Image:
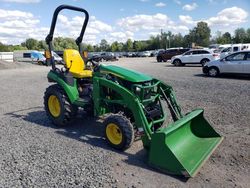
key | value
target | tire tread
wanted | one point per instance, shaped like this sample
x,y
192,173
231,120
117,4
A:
x,y
126,128
69,111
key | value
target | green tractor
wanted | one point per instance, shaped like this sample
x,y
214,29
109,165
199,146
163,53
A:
x,y
134,104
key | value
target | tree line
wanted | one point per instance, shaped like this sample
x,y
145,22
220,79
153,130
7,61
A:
x,y
200,35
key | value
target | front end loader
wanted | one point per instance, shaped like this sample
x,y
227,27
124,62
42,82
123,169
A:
x,y
134,105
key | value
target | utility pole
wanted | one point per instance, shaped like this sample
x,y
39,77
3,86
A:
x,y
169,41
166,41
166,38
161,37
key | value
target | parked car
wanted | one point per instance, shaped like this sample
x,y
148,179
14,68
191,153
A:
x,y
234,48
154,53
144,54
57,58
29,56
238,63
119,54
105,56
59,53
199,56
130,54
166,55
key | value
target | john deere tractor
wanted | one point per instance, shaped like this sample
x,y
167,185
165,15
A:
x,y
134,104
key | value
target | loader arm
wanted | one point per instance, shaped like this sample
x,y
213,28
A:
x,y
127,100
136,105
181,147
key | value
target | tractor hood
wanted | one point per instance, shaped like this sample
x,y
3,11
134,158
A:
x,y
126,74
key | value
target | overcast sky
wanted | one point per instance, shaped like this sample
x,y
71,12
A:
x,y
119,20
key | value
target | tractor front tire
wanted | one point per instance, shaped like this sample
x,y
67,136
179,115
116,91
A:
x,y
119,131
57,106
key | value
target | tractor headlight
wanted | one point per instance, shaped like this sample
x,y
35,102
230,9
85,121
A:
x,y
137,89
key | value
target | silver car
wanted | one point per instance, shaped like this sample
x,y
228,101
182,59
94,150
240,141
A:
x,y
236,63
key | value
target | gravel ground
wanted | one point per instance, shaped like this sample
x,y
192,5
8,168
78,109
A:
x,y
12,65
34,153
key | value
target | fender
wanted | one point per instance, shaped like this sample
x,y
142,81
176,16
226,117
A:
x,y
69,88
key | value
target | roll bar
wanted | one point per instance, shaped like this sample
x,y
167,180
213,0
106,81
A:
x,y
78,41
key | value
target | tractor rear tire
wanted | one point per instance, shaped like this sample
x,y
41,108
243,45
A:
x,y
57,106
119,131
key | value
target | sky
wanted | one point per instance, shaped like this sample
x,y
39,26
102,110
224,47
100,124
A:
x,y
116,20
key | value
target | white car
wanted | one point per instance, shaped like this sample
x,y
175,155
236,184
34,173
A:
x,y
57,58
199,56
146,54
238,63
234,48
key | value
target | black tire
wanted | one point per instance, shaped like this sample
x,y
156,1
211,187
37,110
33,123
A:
x,y
204,61
159,59
67,110
45,63
177,62
213,71
125,129
40,63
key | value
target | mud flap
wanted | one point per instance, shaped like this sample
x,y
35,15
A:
x,y
184,146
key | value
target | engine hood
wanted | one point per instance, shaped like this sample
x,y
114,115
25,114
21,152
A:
x,y
123,73
177,56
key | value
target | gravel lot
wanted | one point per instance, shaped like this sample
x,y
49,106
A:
x,y
34,153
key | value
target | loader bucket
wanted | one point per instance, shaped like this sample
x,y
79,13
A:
x,y
184,146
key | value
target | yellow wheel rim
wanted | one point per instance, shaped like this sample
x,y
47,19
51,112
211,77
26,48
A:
x,y
114,134
54,106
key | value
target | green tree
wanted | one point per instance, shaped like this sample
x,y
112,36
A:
x,y
69,43
177,40
114,46
31,44
227,38
96,48
154,42
104,45
3,48
64,43
42,45
223,38
240,35
90,48
120,46
169,40
129,46
200,34
16,47
218,37
187,41
248,36
138,46
164,40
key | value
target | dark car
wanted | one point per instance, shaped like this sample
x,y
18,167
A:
x,y
60,53
168,54
105,56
